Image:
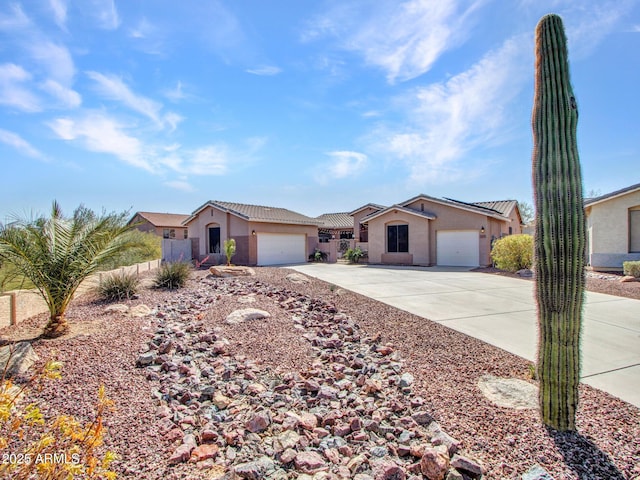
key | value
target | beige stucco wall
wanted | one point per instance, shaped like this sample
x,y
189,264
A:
x,y
357,218
418,238
232,226
451,218
611,219
608,232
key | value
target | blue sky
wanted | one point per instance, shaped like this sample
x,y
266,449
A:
x,y
317,106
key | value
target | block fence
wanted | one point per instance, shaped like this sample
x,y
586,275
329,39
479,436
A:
x,y
18,305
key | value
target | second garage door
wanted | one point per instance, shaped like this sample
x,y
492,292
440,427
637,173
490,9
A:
x,y
279,249
458,248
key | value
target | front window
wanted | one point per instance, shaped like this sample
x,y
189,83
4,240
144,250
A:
x,y
169,233
186,233
397,238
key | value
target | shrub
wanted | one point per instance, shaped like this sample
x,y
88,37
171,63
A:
x,y
229,249
513,253
318,256
118,286
632,268
354,255
148,246
172,275
57,448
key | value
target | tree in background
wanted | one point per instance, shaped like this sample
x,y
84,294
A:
x,y
58,253
560,232
526,212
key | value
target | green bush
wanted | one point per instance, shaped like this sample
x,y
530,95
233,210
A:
x,y
118,286
513,253
172,275
632,268
354,255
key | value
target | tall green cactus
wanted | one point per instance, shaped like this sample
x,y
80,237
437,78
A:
x,y
560,234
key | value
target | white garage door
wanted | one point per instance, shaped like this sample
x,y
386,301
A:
x,y
278,249
458,248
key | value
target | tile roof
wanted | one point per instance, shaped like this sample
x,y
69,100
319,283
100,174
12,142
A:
x,y
402,208
259,213
459,204
336,220
163,219
606,196
368,205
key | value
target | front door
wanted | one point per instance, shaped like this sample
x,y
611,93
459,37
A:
x,y
214,240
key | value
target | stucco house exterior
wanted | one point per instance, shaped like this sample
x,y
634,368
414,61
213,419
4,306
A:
x,y
334,226
613,228
165,225
425,230
263,235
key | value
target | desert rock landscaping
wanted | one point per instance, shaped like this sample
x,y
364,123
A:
x,y
309,381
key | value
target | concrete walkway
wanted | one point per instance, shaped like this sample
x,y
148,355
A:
x,y
502,311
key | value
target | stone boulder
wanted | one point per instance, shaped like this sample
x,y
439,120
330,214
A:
x,y
509,392
297,278
17,358
246,314
231,271
629,278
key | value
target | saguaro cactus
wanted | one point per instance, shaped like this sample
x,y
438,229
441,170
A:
x,y
560,235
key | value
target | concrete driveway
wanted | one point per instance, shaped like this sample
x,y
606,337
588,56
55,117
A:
x,y
502,311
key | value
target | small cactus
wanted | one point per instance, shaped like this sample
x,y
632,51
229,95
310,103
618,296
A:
x,y
560,233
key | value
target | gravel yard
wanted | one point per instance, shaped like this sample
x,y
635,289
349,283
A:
x,y
103,348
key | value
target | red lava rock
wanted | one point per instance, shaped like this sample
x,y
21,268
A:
x,y
468,465
203,452
434,463
259,422
309,462
388,470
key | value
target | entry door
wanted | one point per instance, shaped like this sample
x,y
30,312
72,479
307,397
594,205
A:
x,y
214,240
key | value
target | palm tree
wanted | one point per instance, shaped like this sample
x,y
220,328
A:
x,y
58,253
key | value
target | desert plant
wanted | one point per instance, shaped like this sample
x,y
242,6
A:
x,y
560,232
513,252
318,256
631,268
172,275
57,448
118,286
58,253
229,249
354,254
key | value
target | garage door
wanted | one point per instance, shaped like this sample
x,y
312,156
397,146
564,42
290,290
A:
x,y
458,248
278,249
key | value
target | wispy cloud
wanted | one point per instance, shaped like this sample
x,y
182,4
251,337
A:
x,y
448,119
114,88
177,93
341,164
404,40
106,13
265,70
67,97
21,145
13,89
59,9
55,58
100,133
588,24
182,185
15,19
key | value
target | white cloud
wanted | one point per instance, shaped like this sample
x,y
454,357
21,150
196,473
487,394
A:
x,y
99,133
172,120
16,141
448,119
16,20
67,97
106,13
182,185
342,164
114,88
59,9
402,39
177,93
210,160
265,70
56,59
14,92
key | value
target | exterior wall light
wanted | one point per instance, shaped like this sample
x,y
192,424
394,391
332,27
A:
x,y
482,229
253,232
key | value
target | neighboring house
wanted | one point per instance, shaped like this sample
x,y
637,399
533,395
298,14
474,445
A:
x,y
426,230
166,225
613,228
334,226
263,235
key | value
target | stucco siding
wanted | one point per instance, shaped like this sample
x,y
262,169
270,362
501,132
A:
x,y
418,238
608,232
